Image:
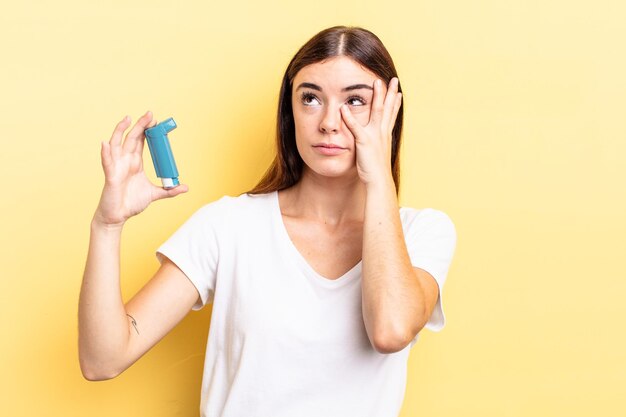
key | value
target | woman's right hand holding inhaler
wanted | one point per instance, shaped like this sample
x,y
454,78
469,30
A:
x,y
127,191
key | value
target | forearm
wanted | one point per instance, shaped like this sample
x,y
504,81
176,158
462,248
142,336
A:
x,y
392,297
103,324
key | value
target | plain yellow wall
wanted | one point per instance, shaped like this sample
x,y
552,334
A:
x,y
515,126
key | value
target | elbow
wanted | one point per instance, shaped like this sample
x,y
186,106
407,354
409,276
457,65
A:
x,y
97,373
392,342
95,377
388,345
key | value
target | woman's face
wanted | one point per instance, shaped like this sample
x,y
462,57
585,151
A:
x,y
324,142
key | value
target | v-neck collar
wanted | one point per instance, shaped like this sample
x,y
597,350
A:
x,y
301,261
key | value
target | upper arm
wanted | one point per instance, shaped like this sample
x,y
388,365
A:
x,y
157,308
431,241
430,289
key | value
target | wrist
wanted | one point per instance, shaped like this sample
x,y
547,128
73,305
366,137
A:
x,y
381,184
98,223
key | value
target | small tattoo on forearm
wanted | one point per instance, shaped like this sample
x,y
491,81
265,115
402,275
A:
x,y
134,322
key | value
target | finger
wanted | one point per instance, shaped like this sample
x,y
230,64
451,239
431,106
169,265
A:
x,y
105,154
376,112
116,137
396,109
160,193
390,101
353,124
136,133
141,142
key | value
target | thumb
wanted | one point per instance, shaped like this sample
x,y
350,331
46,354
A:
x,y
159,193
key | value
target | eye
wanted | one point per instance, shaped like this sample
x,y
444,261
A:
x,y
309,99
356,101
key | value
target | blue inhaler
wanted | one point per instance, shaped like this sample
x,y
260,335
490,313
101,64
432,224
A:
x,y
161,152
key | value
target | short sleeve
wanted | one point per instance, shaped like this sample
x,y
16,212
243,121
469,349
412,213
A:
x,y
430,237
194,249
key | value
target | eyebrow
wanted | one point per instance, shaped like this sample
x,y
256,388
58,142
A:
x,y
348,88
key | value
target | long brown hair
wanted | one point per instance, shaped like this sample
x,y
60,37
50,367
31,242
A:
x,y
357,43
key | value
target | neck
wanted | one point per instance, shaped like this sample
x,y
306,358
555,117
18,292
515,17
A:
x,y
333,201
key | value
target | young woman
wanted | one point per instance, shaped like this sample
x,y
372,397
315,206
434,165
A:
x,y
320,282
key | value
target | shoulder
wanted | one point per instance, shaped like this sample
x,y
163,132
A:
x,y
233,208
426,219
423,215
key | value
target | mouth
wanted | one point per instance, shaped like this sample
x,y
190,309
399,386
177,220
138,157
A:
x,y
329,149
327,145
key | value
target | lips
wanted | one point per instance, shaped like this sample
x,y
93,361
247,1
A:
x,y
329,149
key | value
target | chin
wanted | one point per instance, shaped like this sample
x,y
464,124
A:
x,y
333,170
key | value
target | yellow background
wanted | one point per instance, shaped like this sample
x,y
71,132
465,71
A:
x,y
515,126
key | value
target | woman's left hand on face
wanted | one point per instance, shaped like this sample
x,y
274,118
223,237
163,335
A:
x,y
373,141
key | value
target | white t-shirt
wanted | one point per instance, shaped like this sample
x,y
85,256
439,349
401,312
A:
x,y
285,341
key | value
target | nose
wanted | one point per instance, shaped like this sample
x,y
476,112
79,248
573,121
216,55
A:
x,y
331,120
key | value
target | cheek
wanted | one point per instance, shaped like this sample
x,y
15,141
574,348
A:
x,y
361,114
306,121
364,117
302,128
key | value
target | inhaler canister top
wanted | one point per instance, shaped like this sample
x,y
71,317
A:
x,y
161,152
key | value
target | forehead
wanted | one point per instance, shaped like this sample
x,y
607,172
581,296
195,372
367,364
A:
x,y
336,72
